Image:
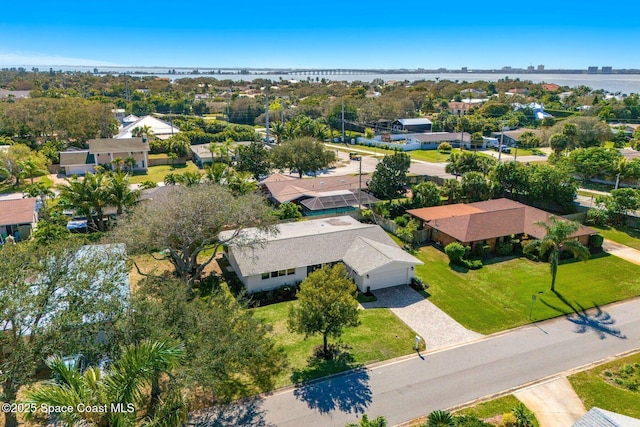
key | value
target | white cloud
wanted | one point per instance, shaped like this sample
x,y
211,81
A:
x,y
31,59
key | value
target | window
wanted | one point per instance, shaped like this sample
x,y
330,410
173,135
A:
x,y
282,273
265,276
274,274
291,271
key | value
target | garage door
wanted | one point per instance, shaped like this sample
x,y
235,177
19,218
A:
x,y
385,279
79,169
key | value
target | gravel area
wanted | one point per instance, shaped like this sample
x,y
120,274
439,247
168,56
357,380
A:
x,y
436,327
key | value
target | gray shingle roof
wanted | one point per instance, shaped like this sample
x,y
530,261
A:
x,y
116,145
315,242
377,255
597,417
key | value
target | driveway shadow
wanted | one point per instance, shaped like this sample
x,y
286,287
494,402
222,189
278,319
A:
x,y
348,393
593,319
242,413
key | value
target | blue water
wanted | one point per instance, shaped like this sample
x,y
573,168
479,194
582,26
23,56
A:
x,y
614,83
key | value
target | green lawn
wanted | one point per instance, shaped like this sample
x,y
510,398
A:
x,y
623,235
493,408
380,336
157,173
498,296
595,391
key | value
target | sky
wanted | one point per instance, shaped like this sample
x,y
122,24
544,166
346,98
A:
x,y
320,34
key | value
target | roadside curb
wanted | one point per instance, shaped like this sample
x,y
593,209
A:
x,y
525,386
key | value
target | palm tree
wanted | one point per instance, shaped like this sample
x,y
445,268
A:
x,y
440,418
117,163
557,239
170,179
215,172
41,191
189,178
242,183
120,194
30,169
88,197
130,162
127,382
278,130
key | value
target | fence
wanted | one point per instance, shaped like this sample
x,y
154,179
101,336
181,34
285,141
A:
x,y
167,161
419,236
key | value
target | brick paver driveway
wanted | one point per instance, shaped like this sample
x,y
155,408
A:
x,y
435,326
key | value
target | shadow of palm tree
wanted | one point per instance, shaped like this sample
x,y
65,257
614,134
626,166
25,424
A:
x,y
593,319
346,393
246,412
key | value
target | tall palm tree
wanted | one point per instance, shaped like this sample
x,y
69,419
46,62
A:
x,y
127,382
119,192
30,169
189,178
41,191
557,239
278,130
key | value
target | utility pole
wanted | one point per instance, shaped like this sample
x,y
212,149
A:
x,y
501,142
343,121
229,104
266,109
360,184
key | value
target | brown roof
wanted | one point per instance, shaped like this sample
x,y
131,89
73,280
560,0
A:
x,y
19,211
489,219
113,145
287,190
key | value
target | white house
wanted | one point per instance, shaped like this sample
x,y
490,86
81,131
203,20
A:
x,y
372,258
160,128
103,151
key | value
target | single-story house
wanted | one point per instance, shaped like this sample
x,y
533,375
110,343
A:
x,y
510,138
18,218
319,195
597,417
202,154
371,257
430,141
486,223
160,128
459,108
103,151
412,125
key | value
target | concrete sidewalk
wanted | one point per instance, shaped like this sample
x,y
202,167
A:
x,y
554,402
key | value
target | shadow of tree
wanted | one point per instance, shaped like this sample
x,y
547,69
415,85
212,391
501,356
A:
x,y
346,393
246,412
593,319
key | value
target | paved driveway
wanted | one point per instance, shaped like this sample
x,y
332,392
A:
x,y
436,327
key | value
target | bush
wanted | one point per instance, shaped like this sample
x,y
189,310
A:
x,y
418,284
596,241
508,420
470,421
598,217
504,248
402,221
472,264
445,147
455,251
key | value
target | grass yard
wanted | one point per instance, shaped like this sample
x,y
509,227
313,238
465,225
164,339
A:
x,y
623,235
380,336
498,296
157,173
594,390
494,408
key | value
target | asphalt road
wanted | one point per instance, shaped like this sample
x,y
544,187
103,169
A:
x,y
413,387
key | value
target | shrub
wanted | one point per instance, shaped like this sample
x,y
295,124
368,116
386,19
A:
x,y
455,251
470,421
596,241
598,217
472,264
418,284
366,214
508,420
504,248
445,147
402,221
440,418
